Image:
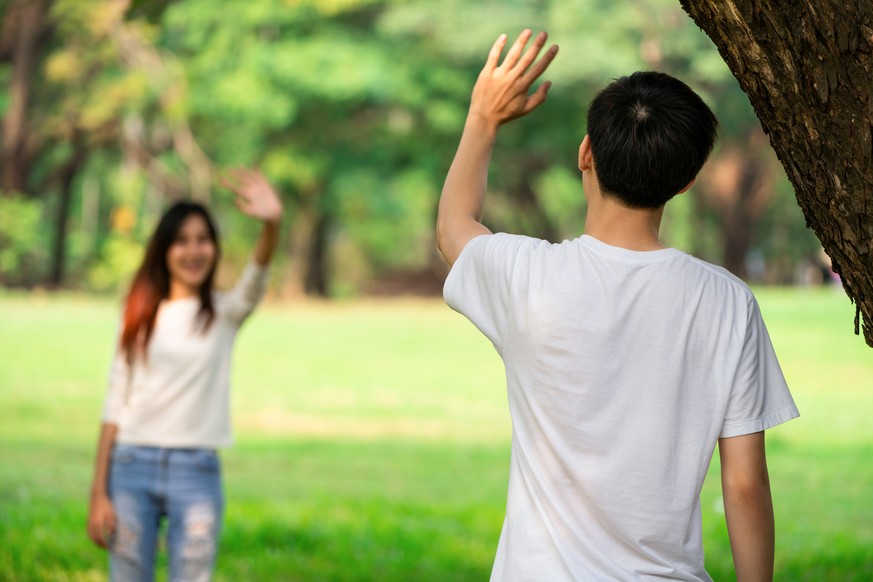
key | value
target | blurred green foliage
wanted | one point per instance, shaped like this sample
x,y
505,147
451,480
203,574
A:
x,y
353,108
22,244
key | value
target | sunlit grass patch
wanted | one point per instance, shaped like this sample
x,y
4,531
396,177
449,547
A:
x,y
373,443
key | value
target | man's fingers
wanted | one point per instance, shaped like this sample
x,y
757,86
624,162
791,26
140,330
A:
x,y
535,71
531,53
515,51
494,55
537,98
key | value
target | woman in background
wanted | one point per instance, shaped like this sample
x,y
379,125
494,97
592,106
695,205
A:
x,y
166,409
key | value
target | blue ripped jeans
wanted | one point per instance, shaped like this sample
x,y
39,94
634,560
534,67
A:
x,y
147,484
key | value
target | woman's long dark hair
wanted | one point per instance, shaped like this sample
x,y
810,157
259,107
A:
x,y
151,284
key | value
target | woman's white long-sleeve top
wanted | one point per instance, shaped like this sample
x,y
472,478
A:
x,y
178,395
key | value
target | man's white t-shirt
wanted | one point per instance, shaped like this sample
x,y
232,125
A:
x,y
623,369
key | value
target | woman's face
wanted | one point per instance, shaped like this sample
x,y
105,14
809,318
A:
x,y
191,256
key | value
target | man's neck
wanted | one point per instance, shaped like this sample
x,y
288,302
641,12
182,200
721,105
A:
x,y
635,229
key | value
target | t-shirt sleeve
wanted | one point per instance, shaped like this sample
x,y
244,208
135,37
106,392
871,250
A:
x,y
118,384
760,398
239,302
480,282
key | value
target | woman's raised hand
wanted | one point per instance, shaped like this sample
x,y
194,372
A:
x,y
254,194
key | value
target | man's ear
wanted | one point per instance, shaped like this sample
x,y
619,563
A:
x,y
685,189
586,158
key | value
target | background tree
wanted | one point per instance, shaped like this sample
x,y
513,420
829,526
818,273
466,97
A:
x,y
24,25
76,92
353,108
807,68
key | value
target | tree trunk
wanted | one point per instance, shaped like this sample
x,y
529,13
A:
x,y
316,267
738,184
26,20
66,176
806,67
307,253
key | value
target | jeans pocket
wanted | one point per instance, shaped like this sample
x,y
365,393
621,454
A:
x,y
207,461
123,455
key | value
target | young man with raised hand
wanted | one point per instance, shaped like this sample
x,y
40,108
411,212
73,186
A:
x,y
626,361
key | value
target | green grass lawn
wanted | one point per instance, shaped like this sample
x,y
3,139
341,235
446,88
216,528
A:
x,y
373,443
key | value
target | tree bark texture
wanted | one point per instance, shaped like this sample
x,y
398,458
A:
x,y
806,67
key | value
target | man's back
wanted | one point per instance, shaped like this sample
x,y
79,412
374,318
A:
x,y
624,363
623,370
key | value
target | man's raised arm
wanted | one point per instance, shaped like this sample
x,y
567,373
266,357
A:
x,y
500,95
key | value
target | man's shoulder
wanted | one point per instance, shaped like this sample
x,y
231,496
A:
x,y
501,243
716,270
718,274
492,257
508,237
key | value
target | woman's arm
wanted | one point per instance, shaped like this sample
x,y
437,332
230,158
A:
x,y
267,243
101,516
257,198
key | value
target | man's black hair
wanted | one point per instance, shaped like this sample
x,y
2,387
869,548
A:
x,y
650,134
